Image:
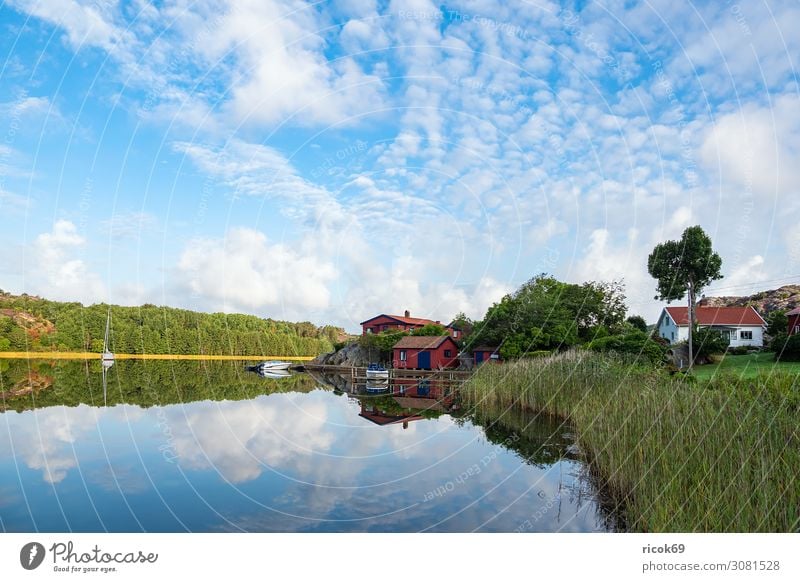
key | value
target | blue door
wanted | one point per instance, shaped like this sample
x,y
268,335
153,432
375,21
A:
x,y
478,357
424,388
424,360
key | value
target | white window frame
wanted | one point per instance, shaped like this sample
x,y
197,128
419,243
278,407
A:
x,y
403,356
748,336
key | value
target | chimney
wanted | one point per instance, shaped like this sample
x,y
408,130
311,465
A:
x,y
408,313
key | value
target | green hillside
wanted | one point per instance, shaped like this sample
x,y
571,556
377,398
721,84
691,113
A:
x,y
35,324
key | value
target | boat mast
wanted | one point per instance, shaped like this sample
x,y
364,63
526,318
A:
x,y
108,327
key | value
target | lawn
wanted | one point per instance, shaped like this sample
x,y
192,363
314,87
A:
x,y
746,366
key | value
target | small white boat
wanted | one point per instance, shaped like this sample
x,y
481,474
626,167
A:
x,y
373,386
377,372
273,366
275,374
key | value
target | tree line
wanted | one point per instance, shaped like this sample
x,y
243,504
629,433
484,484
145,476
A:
x,y
36,324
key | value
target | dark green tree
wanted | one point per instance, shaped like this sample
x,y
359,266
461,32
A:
x,y
638,322
430,329
777,322
548,314
683,268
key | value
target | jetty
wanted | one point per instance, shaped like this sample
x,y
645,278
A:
x,y
359,374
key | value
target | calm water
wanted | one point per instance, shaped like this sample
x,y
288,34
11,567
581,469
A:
x,y
207,446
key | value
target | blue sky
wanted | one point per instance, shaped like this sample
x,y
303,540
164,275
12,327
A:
x,y
334,160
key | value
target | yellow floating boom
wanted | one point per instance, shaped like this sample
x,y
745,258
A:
x,y
96,356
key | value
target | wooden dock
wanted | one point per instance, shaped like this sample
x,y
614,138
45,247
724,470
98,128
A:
x,y
360,373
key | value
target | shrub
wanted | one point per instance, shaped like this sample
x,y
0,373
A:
x,y
538,354
777,322
787,348
739,350
708,342
638,322
636,343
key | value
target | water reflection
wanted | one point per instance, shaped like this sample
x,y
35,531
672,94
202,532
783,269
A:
x,y
207,446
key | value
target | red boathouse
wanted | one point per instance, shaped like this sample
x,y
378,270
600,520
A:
x,y
794,321
385,322
483,354
424,352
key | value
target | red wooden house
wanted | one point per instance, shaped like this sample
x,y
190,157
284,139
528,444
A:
x,y
405,322
794,321
483,354
425,352
382,418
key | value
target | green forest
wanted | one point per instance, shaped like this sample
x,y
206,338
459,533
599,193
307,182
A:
x,y
140,383
29,323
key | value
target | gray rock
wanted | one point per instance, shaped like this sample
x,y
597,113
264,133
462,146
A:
x,y
351,355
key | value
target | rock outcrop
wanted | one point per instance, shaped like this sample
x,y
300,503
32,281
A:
x,y
351,355
786,298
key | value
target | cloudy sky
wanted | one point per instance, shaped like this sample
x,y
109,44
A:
x,y
332,160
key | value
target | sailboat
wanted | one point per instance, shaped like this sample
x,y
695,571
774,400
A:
x,y
106,365
107,355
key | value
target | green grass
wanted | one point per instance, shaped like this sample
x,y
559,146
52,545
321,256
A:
x,y
675,454
746,367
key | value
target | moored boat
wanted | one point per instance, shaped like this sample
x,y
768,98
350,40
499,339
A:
x,y
377,372
274,365
274,374
108,355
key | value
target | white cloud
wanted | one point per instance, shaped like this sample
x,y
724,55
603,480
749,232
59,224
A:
x,y
241,439
605,259
44,439
246,272
85,23
757,149
744,279
54,270
28,106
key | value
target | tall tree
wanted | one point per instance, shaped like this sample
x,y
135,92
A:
x,y
777,322
638,322
683,268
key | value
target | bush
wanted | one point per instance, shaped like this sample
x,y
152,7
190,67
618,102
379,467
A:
x,y
538,354
740,350
383,342
777,322
638,322
636,343
787,348
430,329
707,342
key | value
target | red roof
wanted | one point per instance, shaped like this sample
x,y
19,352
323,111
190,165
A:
x,y
485,349
421,342
795,311
406,320
717,316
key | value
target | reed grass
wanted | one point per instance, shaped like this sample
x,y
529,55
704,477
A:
x,y
675,455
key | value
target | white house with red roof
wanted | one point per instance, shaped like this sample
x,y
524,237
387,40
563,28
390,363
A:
x,y
742,325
